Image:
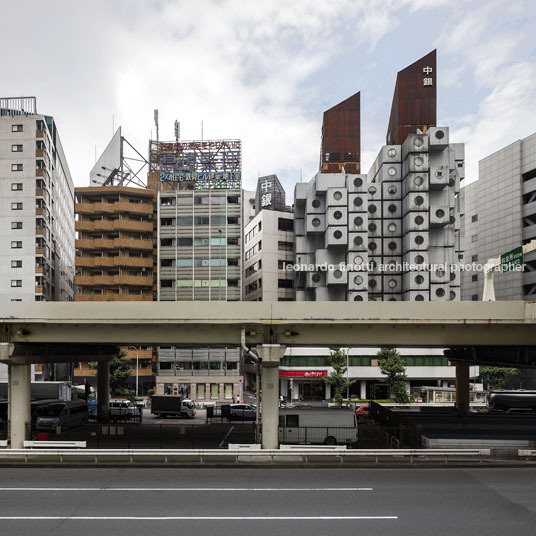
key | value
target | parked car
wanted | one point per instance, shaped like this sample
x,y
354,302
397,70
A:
x,y
63,414
243,411
122,410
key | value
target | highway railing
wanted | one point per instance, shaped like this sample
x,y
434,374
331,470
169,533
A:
x,y
213,457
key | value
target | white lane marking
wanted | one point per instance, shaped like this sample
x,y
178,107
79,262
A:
x,y
226,436
186,489
191,518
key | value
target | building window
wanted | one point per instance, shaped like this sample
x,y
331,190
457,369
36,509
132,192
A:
x,y
474,238
16,167
16,299
474,218
16,148
16,206
474,297
16,244
16,186
474,277
200,391
285,246
16,128
284,283
474,258
228,391
214,390
16,282
16,264
285,224
16,225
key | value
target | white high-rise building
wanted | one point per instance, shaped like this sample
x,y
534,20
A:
x,y
36,206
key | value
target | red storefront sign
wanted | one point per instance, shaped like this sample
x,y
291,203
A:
x,y
303,373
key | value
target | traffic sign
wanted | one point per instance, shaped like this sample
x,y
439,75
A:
x,y
512,259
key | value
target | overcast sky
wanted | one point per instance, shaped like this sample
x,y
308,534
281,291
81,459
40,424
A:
x,y
264,71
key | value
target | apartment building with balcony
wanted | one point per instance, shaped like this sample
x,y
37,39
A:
x,y
114,260
36,206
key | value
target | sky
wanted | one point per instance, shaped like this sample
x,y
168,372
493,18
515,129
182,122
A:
x,y
265,71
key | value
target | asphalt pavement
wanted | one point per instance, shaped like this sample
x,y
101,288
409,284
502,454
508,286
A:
x,y
271,502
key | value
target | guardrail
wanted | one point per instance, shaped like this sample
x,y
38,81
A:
x,y
232,457
526,453
55,444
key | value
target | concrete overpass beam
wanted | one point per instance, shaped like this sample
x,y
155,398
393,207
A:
x,y
270,355
103,390
19,384
462,389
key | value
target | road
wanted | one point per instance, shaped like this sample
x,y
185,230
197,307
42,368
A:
x,y
272,502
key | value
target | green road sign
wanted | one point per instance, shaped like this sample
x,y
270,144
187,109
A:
x,y
512,259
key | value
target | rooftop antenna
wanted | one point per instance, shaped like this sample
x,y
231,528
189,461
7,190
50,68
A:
x,y
156,124
177,131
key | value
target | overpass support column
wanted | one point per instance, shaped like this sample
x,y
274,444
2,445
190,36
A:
x,y
270,355
103,390
462,389
19,385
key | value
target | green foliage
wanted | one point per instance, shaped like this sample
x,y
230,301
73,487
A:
x,y
119,374
394,367
495,377
337,379
150,393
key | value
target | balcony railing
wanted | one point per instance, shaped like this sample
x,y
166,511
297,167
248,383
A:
x,y
121,260
104,225
115,243
110,208
113,280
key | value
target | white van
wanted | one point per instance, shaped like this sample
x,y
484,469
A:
x,y
123,410
329,426
64,414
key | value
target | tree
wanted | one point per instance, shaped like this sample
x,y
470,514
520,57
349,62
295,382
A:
x,y
495,377
337,378
394,367
119,374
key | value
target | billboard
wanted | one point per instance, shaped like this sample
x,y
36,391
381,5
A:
x,y
109,163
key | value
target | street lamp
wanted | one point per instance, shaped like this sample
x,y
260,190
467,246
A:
x,y
137,365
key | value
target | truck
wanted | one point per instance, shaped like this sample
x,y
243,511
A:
x,y
44,390
511,401
172,406
328,426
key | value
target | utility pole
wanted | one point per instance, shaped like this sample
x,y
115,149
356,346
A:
x,y
219,266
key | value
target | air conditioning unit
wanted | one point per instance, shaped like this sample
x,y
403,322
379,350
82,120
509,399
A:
x,y
358,221
337,216
358,241
357,202
392,209
337,197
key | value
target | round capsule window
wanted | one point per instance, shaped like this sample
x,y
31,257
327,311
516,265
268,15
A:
x,y
419,279
372,209
358,201
391,227
419,160
337,274
316,278
358,240
391,171
337,235
392,283
452,295
358,280
337,195
440,273
392,246
391,209
419,297
419,200
372,246
337,214
315,222
452,276
440,213
391,152
372,190
372,227
358,221
418,181
439,134
440,292
372,283
358,182
358,298
316,203
419,259
419,240
419,220
418,142
392,189
358,259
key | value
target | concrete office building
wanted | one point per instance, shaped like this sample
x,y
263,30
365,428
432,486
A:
x,y
199,255
500,215
37,206
378,236
269,246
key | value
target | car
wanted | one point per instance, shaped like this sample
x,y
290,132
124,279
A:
x,y
243,411
122,410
